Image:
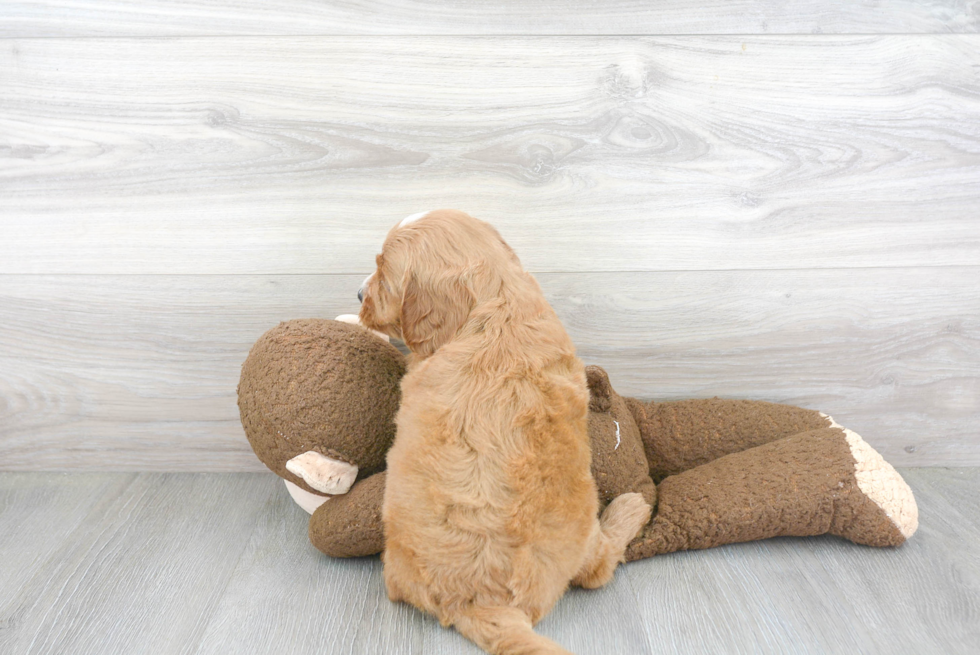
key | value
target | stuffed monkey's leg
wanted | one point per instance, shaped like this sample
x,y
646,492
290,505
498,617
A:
x,y
350,525
817,482
680,435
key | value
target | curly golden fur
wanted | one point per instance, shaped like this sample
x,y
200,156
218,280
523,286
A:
x,y
490,506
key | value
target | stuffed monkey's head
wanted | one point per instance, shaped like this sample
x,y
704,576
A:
x,y
318,400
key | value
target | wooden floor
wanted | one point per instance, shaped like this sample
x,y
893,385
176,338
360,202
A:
x,y
220,563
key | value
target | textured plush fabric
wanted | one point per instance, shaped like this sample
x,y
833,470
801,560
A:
x,y
678,436
728,470
802,485
350,525
299,392
619,464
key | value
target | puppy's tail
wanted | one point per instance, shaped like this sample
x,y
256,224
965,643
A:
x,y
504,631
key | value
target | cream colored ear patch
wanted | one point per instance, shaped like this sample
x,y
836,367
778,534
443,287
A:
x,y
880,482
329,476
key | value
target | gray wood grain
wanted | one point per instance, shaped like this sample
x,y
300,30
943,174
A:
x,y
139,372
286,596
37,514
208,17
221,563
295,155
952,497
146,566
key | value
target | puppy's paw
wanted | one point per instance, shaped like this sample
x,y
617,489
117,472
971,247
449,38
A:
x,y
625,517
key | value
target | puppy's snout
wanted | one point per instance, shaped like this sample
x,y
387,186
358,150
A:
x,y
360,294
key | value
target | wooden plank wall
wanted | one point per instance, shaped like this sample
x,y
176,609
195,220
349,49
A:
x,y
747,199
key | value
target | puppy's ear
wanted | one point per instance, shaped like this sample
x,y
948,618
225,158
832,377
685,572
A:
x,y
431,313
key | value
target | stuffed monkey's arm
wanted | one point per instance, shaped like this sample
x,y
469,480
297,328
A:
x,y
680,435
350,525
819,482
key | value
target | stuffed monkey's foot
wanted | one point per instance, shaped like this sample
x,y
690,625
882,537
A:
x,y
822,481
888,505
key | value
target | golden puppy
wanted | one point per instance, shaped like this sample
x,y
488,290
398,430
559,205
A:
x,y
490,506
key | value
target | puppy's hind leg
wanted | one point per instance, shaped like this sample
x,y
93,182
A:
x,y
621,521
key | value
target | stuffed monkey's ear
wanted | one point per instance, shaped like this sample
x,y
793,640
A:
x,y
600,390
431,313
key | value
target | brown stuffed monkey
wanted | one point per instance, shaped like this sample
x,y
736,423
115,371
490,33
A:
x,y
318,400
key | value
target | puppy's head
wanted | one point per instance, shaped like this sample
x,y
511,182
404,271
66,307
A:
x,y
432,271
